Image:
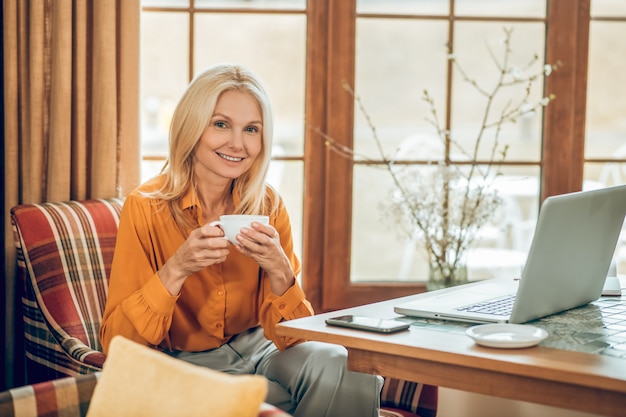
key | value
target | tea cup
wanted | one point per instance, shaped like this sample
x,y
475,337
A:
x,y
231,224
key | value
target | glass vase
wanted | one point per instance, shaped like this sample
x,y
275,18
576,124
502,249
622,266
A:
x,y
447,276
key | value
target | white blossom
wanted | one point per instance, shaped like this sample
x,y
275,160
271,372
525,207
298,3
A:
x,y
517,73
547,70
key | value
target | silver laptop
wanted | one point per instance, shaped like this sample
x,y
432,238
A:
x,y
566,267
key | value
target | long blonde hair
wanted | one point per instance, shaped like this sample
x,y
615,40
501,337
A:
x,y
189,121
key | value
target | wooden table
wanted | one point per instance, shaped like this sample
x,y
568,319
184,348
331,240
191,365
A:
x,y
593,383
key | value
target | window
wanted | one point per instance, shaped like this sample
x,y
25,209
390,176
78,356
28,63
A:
x,y
388,50
398,55
605,135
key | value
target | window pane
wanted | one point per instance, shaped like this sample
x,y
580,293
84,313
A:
x,y
273,46
499,250
422,7
608,8
165,3
480,52
254,4
606,110
598,175
288,178
164,69
372,233
395,61
526,8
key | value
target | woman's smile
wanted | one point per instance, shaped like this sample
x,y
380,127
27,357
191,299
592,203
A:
x,y
229,158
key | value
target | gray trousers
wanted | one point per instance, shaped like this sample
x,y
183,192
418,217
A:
x,y
307,380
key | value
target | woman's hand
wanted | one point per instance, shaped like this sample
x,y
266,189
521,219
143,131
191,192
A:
x,y
205,246
262,243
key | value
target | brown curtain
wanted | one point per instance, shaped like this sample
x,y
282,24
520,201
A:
x,y
71,81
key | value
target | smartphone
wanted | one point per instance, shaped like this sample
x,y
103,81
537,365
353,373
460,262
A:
x,y
368,323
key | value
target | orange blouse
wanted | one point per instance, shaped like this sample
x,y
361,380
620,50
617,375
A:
x,y
214,304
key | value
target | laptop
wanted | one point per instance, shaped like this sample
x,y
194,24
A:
x,y
567,264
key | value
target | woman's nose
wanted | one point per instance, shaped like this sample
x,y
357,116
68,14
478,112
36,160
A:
x,y
236,140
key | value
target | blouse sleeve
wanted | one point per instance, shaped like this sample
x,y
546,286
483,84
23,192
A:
x,y
138,306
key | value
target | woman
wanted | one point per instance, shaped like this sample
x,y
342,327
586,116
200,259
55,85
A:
x,y
177,285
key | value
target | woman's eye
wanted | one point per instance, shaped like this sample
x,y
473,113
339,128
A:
x,y
252,129
221,125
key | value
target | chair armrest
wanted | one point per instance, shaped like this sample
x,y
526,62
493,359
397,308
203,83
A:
x,y
68,397
82,353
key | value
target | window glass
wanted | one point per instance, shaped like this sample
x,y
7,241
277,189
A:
x,y
288,178
605,146
372,232
164,77
606,111
165,3
500,247
273,46
480,51
608,8
526,8
252,4
395,61
422,7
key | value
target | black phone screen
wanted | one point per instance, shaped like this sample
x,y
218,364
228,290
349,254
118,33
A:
x,y
368,323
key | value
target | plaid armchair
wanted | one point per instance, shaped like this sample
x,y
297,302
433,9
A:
x,y
64,255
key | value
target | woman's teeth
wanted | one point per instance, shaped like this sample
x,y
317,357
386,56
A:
x,y
229,158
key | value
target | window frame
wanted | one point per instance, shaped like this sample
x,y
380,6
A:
x,y
327,278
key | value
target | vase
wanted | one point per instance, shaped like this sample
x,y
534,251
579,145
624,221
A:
x,y
447,276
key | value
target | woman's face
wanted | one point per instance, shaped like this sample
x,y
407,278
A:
x,y
233,140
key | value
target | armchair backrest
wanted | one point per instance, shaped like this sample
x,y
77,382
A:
x,y
64,255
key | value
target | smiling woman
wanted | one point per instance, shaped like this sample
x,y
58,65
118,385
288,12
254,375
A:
x,y
178,285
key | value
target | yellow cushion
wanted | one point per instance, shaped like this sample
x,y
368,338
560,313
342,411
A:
x,y
139,381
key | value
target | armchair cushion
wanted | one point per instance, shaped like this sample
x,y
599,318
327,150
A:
x,y
155,384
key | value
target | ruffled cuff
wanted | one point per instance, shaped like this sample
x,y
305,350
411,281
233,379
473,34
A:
x,y
150,310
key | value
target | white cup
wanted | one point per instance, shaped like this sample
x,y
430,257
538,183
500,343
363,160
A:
x,y
231,224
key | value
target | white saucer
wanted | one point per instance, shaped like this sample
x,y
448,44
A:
x,y
506,335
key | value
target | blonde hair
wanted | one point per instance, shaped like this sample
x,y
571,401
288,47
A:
x,y
189,121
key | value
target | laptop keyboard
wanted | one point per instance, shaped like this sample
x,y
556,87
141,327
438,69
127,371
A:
x,y
498,307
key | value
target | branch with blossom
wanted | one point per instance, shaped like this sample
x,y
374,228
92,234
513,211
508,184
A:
x,y
445,203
